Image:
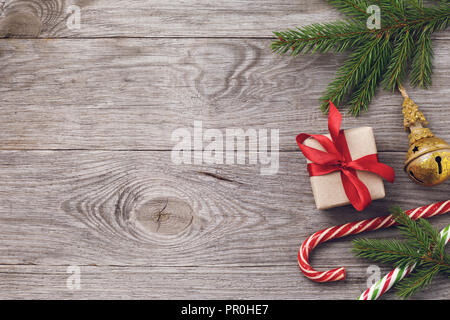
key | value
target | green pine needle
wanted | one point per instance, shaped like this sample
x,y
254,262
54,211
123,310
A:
x,y
422,67
418,280
392,251
423,246
385,56
401,54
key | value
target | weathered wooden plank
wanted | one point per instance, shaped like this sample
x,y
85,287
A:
x,y
160,18
138,225
49,282
141,227
156,18
131,94
137,208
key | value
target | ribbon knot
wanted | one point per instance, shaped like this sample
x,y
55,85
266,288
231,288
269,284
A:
x,y
336,157
342,164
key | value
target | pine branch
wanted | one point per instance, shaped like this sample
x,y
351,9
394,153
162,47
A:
x,y
413,231
320,37
352,8
362,96
424,247
397,7
416,281
352,72
422,63
408,25
396,71
386,252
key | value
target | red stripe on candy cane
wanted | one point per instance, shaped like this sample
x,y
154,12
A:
x,y
354,228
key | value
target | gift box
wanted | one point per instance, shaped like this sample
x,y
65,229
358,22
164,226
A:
x,y
343,165
328,189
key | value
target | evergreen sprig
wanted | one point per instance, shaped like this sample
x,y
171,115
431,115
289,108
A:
x,y
422,246
385,55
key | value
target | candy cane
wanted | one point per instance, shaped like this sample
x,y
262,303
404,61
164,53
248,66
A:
x,y
395,276
354,228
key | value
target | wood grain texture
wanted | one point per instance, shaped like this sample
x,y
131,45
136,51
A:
x,y
133,93
85,152
135,209
161,18
41,282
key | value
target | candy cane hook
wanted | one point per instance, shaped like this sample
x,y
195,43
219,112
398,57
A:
x,y
354,228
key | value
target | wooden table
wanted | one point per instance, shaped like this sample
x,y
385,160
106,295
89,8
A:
x,y
88,187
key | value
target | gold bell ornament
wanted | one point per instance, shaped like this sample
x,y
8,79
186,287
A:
x,y
428,158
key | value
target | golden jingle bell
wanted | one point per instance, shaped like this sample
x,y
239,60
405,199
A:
x,y
428,158
428,161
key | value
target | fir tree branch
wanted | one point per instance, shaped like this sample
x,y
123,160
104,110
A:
x,y
396,70
351,73
386,7
413,231
407,23
320,37
424,247
417,4
365,91
416,281
386,251
422,63
351,8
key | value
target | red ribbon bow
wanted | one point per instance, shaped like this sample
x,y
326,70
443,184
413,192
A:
x,y
337,158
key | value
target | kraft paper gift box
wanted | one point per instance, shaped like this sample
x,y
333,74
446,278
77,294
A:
x,y
328,189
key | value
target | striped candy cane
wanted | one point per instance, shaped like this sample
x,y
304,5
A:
x,y
396,275
354,228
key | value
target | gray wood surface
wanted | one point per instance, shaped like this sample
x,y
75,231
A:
x,y
160,18
85,152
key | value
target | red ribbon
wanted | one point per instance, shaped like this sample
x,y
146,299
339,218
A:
x,y
337,158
